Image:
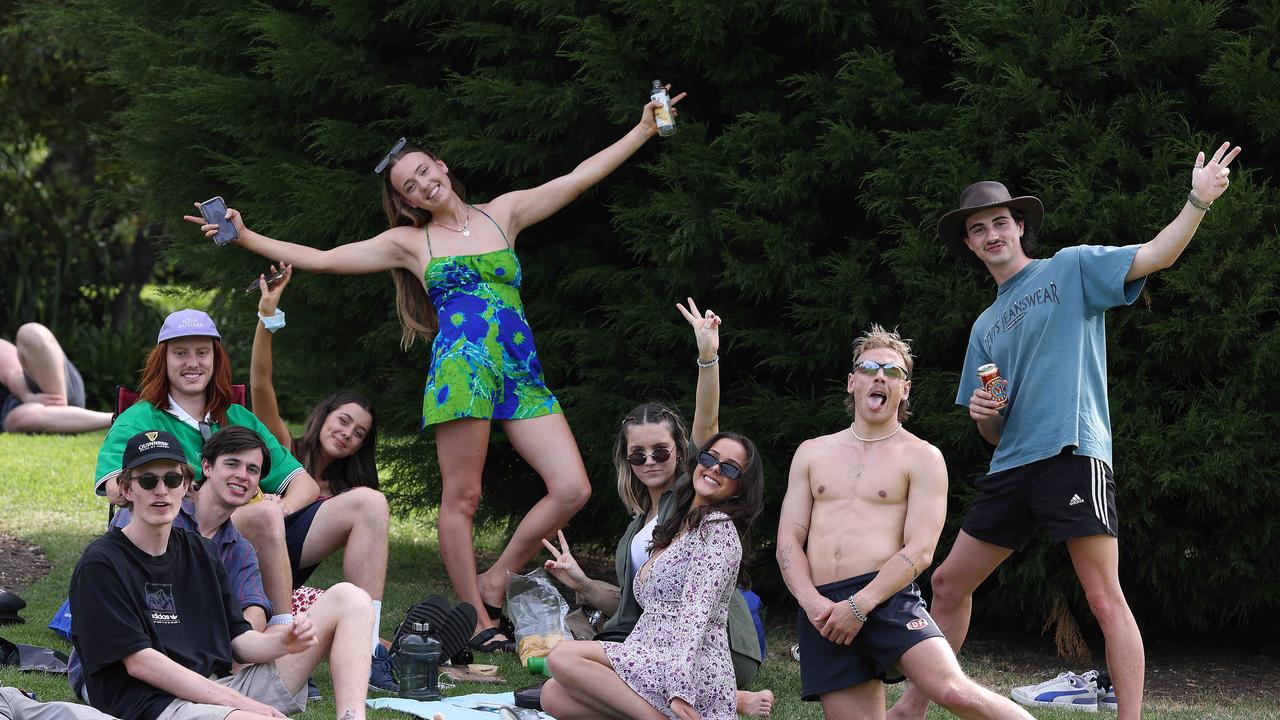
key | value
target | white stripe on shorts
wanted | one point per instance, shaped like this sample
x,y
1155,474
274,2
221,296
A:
x,y
1098,483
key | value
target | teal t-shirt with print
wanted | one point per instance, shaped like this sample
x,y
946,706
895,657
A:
x,y
1046,332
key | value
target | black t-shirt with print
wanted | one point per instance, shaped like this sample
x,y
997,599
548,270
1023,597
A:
x,y
124,600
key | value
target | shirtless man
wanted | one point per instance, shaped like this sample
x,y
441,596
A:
x,y
860,520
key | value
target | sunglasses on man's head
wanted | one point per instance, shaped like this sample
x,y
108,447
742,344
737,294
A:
x,y
147,481
728,468
871,367
386,159
660,455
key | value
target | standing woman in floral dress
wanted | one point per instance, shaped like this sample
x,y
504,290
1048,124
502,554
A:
x,y
457,280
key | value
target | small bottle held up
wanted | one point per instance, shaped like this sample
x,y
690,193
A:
x,y
662,115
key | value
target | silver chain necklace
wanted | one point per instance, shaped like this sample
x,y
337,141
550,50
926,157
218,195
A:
x,y
874,440
466,222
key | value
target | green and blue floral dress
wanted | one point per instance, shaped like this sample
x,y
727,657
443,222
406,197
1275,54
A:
x,y
483,360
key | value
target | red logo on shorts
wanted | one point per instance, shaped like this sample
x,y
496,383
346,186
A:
x,y
918,624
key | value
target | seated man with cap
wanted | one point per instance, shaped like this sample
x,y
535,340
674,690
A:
x,y
232,462
158,628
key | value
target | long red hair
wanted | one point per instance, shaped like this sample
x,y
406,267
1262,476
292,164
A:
x,y
154,383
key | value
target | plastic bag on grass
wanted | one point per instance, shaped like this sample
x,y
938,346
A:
x,y
537,610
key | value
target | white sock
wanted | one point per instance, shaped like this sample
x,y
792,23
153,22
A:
x,y
377,623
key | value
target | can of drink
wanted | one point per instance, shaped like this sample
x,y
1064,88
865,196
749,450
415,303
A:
x,y
989,376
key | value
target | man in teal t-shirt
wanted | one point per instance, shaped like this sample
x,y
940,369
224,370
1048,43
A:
x,y
1051,469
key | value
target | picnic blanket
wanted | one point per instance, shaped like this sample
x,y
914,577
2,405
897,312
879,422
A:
x,y
461,707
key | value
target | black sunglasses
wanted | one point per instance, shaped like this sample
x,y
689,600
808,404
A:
x,y
728,468
871,367
660,455
147,481
386,159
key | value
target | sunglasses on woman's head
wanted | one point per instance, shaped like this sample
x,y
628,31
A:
x,y
386,159
728,468
147,481
871,367
660,455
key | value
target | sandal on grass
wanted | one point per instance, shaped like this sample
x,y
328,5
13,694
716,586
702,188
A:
x,y
504,622
484,641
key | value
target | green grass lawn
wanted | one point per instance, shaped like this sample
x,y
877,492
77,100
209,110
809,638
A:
x,y
46,498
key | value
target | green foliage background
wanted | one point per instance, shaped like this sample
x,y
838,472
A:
x,y
819,143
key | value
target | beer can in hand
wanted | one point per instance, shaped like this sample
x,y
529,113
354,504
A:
x,y
989,376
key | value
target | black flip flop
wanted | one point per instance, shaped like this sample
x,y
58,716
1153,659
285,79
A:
x,y
485,642
433,610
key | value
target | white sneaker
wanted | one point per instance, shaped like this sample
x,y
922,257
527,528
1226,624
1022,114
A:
x,y
1068,691
1106,692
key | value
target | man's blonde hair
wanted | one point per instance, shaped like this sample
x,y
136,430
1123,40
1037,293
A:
x,y
878,337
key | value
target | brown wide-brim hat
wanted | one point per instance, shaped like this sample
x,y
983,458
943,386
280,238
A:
x,y
981,196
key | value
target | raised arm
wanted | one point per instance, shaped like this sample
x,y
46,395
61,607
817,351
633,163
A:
x,y
388,250
261,387
793,532
706,409
528,207
1208,181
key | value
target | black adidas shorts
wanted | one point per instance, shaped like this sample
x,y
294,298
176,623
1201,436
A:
x,y
894,627
1068,495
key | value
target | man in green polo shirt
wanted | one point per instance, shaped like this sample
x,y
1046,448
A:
x,y
186,390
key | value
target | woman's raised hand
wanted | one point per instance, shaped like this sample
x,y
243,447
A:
x,y
647,120
210,230
562,565
706,329
270,299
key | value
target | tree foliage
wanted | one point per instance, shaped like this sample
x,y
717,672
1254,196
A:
x,y
819,144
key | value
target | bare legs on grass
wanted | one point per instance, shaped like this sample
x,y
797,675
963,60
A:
x,y
1096,561
547,444
38,354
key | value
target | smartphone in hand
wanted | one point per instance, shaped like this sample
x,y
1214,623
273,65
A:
x,y
214,212
272,279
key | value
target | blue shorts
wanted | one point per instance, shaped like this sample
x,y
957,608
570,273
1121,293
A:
x,y
296,527
894,627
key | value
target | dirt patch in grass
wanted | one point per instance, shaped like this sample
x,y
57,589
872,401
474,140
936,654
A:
x,y
21,563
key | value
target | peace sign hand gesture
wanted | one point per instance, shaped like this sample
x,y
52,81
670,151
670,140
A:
x,y
563,566
1210,179
706,329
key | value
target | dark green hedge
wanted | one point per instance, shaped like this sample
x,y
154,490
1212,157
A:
x,y
819,143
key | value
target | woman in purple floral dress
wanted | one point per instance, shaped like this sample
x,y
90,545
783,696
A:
x,y
675,663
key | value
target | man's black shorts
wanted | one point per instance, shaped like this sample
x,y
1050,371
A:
x,y
894,627
1068,495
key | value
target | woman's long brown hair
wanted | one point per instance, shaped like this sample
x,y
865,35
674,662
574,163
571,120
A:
x,y
154,383
413,305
